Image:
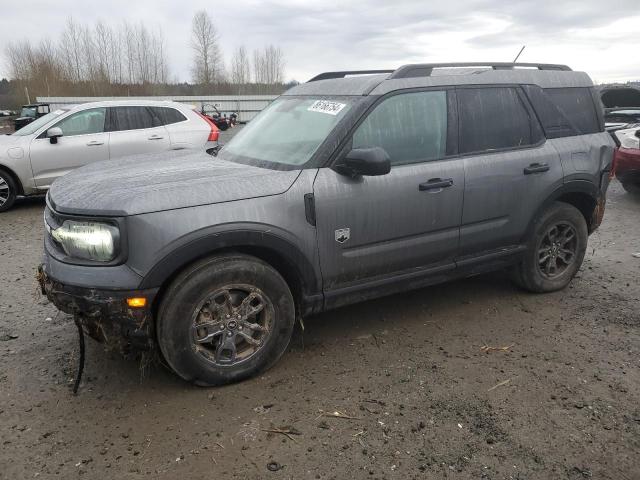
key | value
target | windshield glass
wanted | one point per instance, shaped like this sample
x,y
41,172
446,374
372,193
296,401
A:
x,y
28,112
287,132
32,127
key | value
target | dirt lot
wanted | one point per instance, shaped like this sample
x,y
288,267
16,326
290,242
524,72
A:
x,y
424,400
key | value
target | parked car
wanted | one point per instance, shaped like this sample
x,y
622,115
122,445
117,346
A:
x,y
341,190
5,113
619,119
628,159
70,137
29,113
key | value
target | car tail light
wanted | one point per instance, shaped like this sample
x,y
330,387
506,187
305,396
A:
x,y
215,133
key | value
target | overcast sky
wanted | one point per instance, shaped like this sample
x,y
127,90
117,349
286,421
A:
x,y
597,36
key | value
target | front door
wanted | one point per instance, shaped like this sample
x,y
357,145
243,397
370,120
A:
x,y
375,228
84,141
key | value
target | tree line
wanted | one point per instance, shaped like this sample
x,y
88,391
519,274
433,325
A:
x,y
131,59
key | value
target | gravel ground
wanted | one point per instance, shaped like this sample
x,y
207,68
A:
x,y
417,395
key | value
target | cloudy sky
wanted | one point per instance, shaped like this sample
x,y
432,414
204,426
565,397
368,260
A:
x,y
597,36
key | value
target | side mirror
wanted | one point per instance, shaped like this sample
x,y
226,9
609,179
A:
x,y
54,133
365,161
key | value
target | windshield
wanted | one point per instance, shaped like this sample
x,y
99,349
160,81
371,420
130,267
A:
x,y
32,127
28,112
287,132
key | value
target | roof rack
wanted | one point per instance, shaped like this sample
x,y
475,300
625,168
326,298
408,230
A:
x,y
328,75
426,69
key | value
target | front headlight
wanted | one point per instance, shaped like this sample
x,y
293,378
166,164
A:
x,y
88,240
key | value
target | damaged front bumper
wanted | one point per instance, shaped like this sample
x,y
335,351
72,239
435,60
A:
x,y
105,314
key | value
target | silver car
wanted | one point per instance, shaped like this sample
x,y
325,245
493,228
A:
x,y
70,137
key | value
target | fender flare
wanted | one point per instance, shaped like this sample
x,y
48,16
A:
x,y
208,241
573,186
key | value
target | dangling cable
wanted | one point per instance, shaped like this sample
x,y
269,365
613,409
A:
x,y
81,360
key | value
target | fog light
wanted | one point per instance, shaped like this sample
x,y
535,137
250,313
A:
x,y
137,302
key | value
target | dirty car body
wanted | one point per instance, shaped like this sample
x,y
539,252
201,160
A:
x,y
386,182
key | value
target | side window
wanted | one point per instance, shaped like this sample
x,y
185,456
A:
x,y
411,127
494,118
167,115
132,118
577,105
83,123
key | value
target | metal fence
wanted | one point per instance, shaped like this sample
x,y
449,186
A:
x,y
247,106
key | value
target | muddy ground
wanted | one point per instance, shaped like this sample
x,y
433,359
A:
x,y
423,399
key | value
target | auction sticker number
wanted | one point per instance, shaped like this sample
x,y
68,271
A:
x,y
325,106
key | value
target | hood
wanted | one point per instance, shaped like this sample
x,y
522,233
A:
x,y
167,181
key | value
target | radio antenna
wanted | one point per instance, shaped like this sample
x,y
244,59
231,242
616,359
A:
x,y
519,53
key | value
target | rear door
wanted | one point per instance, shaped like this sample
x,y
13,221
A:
x,y
183,132
401,223
509,167
135,130
84,141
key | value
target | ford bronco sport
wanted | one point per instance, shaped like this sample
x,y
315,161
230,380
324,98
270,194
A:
x,y
350,186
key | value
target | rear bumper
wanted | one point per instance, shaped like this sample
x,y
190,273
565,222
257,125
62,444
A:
x,y
104,314
628,165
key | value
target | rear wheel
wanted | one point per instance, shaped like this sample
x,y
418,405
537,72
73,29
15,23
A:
x,y
225,319
555,250
8,191
630,187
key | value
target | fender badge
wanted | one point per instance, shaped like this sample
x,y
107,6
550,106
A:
x,y
343,234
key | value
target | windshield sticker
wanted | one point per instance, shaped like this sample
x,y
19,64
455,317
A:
x,y
325,106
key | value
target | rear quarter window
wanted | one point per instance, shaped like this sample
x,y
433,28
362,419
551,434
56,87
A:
x,y
576,104
168,115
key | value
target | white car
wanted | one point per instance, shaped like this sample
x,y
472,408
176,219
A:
x,y
70,137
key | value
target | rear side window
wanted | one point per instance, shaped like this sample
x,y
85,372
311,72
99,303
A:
x,y
132,118
494,119
167,115
578,107
411,127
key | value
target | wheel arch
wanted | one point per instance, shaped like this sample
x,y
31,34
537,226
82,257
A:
x,y
14,177
284,256
583,195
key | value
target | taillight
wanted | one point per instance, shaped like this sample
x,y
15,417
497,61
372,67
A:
x,y
215,133
614,162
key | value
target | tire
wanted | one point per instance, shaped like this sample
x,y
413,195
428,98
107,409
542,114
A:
x,y
544,249
8,191
633,188
210,294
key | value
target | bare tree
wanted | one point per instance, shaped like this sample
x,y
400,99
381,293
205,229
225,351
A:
x,y
240,68
268,65
207,62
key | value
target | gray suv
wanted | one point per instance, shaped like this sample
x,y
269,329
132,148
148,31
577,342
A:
x,y
348,187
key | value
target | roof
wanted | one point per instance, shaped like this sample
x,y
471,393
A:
x,y
433,75
124,103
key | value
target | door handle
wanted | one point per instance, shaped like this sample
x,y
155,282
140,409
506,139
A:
x,y
95,143
155,137
536,168
435,184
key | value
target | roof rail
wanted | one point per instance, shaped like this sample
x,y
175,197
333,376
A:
x,y
328,75
426,69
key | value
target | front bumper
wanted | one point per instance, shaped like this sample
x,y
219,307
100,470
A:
x,y
104,314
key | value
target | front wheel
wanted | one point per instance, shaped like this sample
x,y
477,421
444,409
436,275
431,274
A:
x,y
7,191
555,250
224,319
